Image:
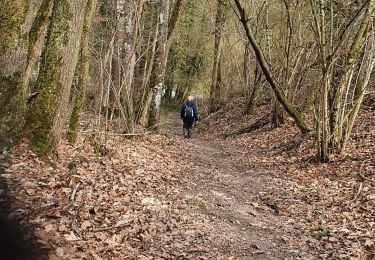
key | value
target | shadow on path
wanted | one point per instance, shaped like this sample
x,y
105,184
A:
x,y
17,241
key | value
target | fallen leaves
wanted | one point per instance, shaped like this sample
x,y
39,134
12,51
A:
x,y
89,206
338,197
128,202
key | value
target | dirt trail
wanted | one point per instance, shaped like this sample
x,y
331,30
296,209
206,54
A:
x,y
228,196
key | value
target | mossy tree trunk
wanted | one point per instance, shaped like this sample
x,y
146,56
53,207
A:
x,y
13,56
59,59
83,74
37,36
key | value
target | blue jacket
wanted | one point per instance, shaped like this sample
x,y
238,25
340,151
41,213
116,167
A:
x,y
195,112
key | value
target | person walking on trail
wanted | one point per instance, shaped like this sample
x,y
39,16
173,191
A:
x,y
189,115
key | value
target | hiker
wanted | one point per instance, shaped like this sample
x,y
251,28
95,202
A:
x,y
189,115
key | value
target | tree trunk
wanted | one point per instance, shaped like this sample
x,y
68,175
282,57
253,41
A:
x,y
166,33
117,57
277,119
360,89
215,83
146,106
145,101
47,112
83,74
159,65
250,107
37,37
132,25
173,22
336,108
13,56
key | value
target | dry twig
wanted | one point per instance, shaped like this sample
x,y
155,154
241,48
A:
x,y
72,197
364,177
358,192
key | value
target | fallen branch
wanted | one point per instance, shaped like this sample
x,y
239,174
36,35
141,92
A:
x,y
364,177
358,192
110,228
258,124
72,197
115,134
212,114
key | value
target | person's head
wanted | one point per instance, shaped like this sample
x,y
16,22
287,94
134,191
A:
x,y
190,98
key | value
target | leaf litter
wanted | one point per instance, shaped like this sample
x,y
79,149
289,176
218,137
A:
x,y
331,203
121,205
144,199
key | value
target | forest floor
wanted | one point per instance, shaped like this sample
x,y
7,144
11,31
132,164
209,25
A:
x,y
254,196
229,196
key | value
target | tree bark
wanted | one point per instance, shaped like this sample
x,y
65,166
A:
x,y
132,26
336,108
166,33
117,56
13,56
47,112
360,89
84,73
37,36
250,107
215,83
258,124
159,65
173,22
146,98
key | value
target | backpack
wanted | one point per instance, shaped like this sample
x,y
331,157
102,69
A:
x,y
189,111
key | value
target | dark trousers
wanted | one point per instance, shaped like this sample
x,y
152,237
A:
x,y
188,128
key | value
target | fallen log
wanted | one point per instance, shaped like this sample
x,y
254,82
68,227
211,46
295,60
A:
x,y
258,124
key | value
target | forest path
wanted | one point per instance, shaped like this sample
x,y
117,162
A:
x,y
227,195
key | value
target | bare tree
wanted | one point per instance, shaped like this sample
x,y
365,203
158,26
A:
x,y
216,70
297,116
345,72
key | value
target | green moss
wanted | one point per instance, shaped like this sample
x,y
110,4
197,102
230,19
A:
x,y
320,232
12,15
40,21
44,109
8,88
78,103
10,122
